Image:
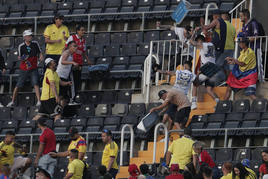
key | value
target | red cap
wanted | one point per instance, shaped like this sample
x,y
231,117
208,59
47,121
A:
x,y
133,170
174,167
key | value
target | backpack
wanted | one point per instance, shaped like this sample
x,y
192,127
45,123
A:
x,y
86,171
261,31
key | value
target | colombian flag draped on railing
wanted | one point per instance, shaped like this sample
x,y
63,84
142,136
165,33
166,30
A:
x,y
240,79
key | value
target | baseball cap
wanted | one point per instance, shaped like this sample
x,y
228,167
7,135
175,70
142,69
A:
x,y
174,167
160,93
73,131
58,16
41,170
27,32
133,170
48,60
246,162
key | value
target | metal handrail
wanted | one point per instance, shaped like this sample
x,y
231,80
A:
x,y
122,142
155,138
207,10
237,6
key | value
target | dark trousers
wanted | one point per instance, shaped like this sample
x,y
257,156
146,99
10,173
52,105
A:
x,y
77,79
113,172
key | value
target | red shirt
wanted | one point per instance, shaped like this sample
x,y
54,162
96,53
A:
x,y
262,169
175,176
49,139
206,158
81,48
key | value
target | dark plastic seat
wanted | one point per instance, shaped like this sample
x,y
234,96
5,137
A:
x,y
104,60
256,154
120,60
224,155
120,109
119,38
97,158
102,38
4,9
167,35
247,124
135,37
95,121
112,120
259,105
112,7
228,125
112,50
93,129
226,7
137,109
143,49
19,113
130,119
109,97
93,97
89,38
212,125
152,105
79,122
216,117
86,110
96,51
263,123
111,128
4,130
5,113
96,7
198,125
199,118
26,99
242,105
10,124
124,97
62,123
224,106
151,36
252,116
28,123
129,49
32,112
240,154
80,7
234,116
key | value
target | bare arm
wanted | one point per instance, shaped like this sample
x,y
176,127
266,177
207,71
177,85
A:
x,y
60,154
54,90
195,157
39,153
64,59
235,61
65,83
171,73
110,163
213,24
195,43
168,157
163,105
68,176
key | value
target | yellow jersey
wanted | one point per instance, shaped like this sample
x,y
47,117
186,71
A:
x,y
228,176
230,36
110,150
182,151
50,76
6,153
54,33
248,57
76,167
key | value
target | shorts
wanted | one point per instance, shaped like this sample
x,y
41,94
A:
x,y
50,108
251,90
171,111
220,59
19,162
182,115
24,75
213,81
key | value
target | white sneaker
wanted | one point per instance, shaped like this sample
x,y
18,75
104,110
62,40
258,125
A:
x,y
10,104
194,105
1,105
38,104
72,103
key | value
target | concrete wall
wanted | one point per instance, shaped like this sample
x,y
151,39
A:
x,y
260,12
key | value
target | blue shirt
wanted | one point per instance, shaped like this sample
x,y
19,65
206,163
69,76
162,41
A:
x,y
3,177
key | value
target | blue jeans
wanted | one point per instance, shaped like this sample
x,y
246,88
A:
x,y
48,163
24,75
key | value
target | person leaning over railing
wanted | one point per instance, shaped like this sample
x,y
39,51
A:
x,y
244,74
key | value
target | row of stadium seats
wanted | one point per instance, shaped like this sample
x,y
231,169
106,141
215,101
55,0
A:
x,y
93,7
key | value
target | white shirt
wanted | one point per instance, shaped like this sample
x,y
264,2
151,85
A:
x,y
64,70
207,53
184,78
179,31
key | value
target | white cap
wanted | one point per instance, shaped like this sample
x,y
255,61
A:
x,y
265,176
27,32
48,60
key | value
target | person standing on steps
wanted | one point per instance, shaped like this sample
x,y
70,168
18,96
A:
x,y
29,51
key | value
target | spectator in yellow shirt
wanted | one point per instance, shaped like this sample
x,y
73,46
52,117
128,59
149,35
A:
x,y
56,36
181,150
75,167
242,172
78,143
227,170
110,152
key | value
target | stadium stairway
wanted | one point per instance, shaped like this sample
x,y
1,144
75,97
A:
x,y
146,156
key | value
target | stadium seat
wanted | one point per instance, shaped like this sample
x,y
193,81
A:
x,y
4,130
79,122
93,129
167,35
127,6
226,7
19,113
97,158
80,7
62,123
199,118
5,113
234,116
4,9
224,106
242,105
32,112
96,7
120,109
152,105
16,10
28,123
112,50
124,96
104,60
102,110
135,37
216,117
102,38
129,49
86,110
240,154
143,49
96,50
120,60
212,125
62,164
247,124
95,121
119,38
144,5
111,7
256,154
197,125
89,38
137,109
224,155
159,5
263,123
10,124
112,120
130,119
151,36
259,105
252,116
48,9
109,97
111,128
93,97
26,99
228,125
137,60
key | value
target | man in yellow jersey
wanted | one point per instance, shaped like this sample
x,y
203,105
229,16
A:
x,y
110,152
78,143
181,150
227,170
75,167
223,39
7,150
56,36
51,104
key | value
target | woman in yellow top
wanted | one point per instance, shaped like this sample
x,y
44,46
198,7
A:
x,y
241,172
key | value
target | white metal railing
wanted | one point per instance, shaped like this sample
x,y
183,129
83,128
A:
x,y
245,4
122,142
155,139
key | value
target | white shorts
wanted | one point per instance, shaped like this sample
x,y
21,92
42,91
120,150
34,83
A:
x,y
19,162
